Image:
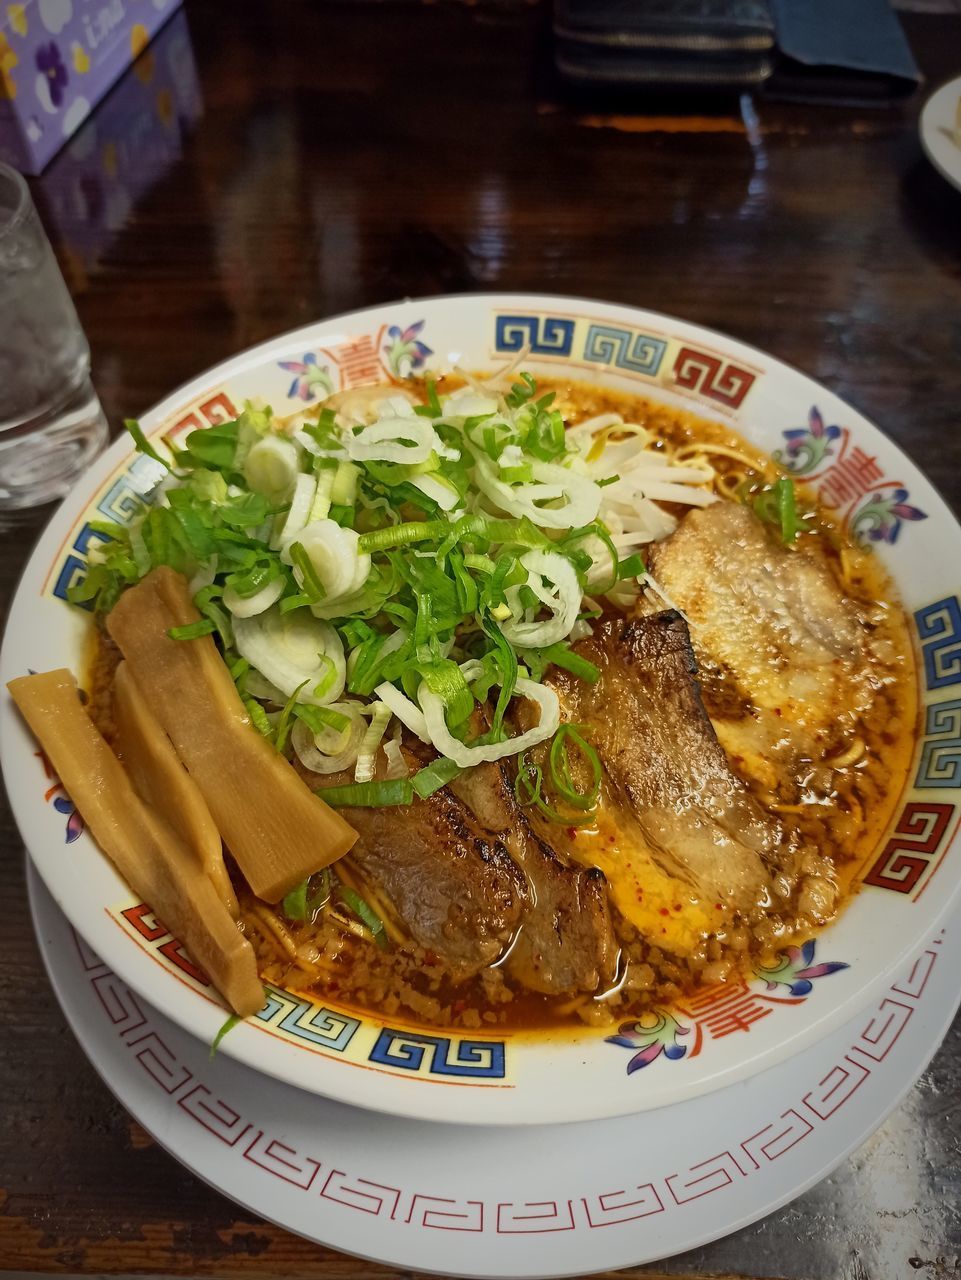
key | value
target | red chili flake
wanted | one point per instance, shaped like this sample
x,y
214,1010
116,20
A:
x,y
778,711
718,906
572,833
664,912
458,1006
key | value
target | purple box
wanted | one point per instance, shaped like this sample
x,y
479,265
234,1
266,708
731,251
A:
x,y
57,60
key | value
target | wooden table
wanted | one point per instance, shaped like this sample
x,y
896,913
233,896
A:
x,y
353,153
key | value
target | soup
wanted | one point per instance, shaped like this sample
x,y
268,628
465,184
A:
x,y
736,724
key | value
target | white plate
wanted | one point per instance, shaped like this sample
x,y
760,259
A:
x,y
568,1200
938,127
728,1033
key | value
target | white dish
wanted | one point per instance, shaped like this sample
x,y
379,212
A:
x,y
727,1034
568,1200
941,131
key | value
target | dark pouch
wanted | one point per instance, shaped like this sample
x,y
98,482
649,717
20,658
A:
x,y
850,53
657,44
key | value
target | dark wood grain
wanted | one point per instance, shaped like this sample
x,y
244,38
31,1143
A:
x,y
354,153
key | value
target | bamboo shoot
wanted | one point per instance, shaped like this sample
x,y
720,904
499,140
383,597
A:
x,y
159,778
147,852
278,831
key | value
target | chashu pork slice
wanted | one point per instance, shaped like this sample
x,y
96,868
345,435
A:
x,y
780,647
565,944
454,887
679,836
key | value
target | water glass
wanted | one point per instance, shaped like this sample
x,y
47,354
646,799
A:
x,y
51,422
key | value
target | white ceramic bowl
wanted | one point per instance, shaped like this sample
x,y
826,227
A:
x,y
908,884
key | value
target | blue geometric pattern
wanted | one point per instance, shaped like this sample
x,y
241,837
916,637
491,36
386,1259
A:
x,y
125,500
939,626
941,753
625,349
72,572
127,496
409,1051
305,1020
545,335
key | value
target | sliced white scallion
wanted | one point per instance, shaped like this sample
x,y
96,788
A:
x,y
367,753
407,712
573,499
396,764
553,580
407,440
249,606
438,490
272,467
305,489
333,551
546,699
331,750
289,649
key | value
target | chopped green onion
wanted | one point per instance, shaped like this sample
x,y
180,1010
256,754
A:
x,y
227,1026
365,914
369,795
561,656
142,443
295,902
402,534
791,522
319,718
283,723
258,717
560,766
433,408
313,587
528,791
631,567
434,776
192,630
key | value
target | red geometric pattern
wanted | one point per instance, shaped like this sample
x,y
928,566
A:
x,y
913,985
623,1206
358,360
282,1161
704,1177
146,924
361,1194
884,1030
836,1087
776,1138
728,1007
425,1210
535,1217
916,840
712,377
853,474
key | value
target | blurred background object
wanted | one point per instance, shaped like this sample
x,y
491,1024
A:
x,y
57,60
51,423
87,193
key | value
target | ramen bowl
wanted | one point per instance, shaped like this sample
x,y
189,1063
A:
x,y
904,886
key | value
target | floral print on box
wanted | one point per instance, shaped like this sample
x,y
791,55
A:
x,y
53,78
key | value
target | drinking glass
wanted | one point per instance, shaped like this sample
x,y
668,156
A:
x,y
51,422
